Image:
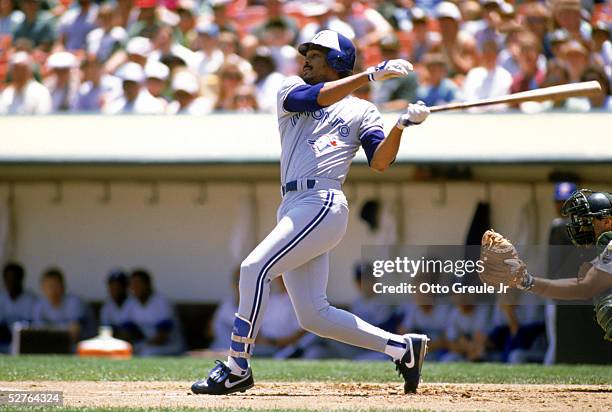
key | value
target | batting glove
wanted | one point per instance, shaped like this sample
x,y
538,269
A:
x,y
415,114
389,69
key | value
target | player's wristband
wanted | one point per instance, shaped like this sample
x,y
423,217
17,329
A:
x,y
371,77
527,282
403,123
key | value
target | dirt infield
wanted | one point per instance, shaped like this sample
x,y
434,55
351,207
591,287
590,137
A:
x,y
330,396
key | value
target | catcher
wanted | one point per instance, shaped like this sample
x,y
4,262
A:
x,y
590,224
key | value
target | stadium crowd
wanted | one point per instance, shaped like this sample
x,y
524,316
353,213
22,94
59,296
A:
x,y
203,56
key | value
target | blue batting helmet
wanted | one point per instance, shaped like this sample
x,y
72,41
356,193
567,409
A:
x,y
341,51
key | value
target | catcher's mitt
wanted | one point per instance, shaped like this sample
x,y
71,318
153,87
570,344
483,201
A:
x,y
603,313
502,263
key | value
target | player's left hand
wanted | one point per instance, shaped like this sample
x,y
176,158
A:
x,y
389,69
415,114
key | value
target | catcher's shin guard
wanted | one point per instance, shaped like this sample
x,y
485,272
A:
x,y
409,367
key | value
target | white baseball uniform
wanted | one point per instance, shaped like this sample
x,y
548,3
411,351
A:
x,y
317,149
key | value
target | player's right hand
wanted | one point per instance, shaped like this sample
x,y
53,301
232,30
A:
x,y
389,69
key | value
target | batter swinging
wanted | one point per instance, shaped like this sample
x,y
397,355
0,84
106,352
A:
x,y
321,127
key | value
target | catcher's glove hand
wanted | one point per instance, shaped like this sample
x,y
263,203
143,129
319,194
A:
x,y
502,263
603,313
389,69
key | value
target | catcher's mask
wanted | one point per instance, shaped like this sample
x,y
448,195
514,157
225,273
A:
x,y
582,207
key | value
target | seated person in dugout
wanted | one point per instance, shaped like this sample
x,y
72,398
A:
x,y
60,309
114,312
280,329
152,325
222,322
16,303
467,332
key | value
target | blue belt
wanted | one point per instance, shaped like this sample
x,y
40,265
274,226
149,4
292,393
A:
x,y
293,186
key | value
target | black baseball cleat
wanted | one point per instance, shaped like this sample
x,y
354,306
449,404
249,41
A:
x,y
409,367
221,381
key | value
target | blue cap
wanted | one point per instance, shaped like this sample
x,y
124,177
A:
x,y
118,275
564,190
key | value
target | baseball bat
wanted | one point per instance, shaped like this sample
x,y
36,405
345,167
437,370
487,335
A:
x,y
561,92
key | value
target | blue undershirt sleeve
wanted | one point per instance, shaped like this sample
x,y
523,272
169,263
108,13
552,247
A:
x,y
303,98
370,141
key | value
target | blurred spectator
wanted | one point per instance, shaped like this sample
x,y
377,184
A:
x,y
439,88
164,44
9,17
245,100
229,45
95,88
147,22
186,11
76,23
59,309
369,25
536,18
529,76
223,320
602,101
557,73
602,46
209,56
155,328
325,18
268,80
106,39
459,47
557,39
394,94
491,14
230,78
422,39
157,75
279,328
576,58
221,16
61,83
471,13
277,37
24,95
114,311
187,99
135,99
567,16
488,80
467,333
274,11
16,303
37,26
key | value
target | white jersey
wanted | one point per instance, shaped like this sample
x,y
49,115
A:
x,y
18,310
113,315
603,262
70,310
322,143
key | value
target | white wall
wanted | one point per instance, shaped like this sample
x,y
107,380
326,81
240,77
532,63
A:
x,y
186,244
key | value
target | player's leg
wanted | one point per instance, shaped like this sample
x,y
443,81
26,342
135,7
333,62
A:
x,y
306,230
307,286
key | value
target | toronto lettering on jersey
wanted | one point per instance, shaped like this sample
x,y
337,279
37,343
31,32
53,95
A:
x,y
323,115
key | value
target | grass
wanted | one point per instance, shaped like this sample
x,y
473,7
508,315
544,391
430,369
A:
x,y
68,368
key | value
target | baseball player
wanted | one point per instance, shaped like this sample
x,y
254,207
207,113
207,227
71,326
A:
x,y
590,224
321,127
